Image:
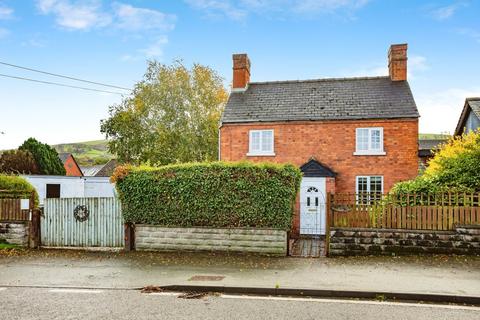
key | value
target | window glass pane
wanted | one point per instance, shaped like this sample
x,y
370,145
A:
x,y
255,143
267,140
362,139
376,188
316,201
308,201
375,139
362,184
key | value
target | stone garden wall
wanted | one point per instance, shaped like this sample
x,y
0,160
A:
x,y
262,241
360,241
14,233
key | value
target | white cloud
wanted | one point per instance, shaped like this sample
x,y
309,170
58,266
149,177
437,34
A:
x,y
155,50
440,110
309,6
88,14
136,19
240,9
214,8
416,64
5,12
77,15
147,24
446,12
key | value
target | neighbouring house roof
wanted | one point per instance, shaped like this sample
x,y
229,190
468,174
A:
x,y
107,169
91,171
102,170
313,168
427,146
471,105
64,156
323,99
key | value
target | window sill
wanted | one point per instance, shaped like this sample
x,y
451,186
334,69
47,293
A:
x,y
260,154
369,153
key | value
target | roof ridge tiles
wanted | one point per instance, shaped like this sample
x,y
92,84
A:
x,y
320,80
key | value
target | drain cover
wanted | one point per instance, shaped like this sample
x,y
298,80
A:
x,y
206,278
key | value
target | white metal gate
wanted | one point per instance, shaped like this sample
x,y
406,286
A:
x,y
82,222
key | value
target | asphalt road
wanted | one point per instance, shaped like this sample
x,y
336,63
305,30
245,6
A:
x,y
58,303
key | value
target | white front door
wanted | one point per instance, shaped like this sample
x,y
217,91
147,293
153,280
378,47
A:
x,y
312,206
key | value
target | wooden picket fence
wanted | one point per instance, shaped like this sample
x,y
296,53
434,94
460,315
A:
x,y
10,206
410,211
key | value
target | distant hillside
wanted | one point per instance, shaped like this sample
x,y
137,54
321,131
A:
x,y
87,152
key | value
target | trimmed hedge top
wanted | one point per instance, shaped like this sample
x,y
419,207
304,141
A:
x,y
12,186
215,194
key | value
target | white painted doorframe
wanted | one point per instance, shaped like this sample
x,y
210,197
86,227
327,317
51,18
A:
x,y
313,206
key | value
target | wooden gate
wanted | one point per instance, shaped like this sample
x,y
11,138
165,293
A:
x,y
82,222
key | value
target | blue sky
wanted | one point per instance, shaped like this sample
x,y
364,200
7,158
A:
x,y
109,41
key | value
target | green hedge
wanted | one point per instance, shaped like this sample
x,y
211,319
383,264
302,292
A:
x,y
213,194
12,186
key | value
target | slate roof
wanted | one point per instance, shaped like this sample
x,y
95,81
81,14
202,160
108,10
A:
x,y
323,99
100,170
313,168
471,104
64,156
91,171
427,146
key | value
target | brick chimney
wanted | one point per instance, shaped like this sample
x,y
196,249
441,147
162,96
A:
x,y
397,62
241,72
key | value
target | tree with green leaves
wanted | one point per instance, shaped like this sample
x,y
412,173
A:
x,y
171,117
18,162
454,167
45,156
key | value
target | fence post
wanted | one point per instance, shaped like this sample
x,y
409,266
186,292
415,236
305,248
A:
x,y
33,223
328,219
129,236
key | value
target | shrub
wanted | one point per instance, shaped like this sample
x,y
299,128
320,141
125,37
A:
x,y
213,194
45,156
16,187
18,161
455,167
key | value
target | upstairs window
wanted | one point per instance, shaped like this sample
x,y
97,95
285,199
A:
x,y
369,141
261,143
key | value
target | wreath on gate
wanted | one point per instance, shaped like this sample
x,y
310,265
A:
x,y
81,213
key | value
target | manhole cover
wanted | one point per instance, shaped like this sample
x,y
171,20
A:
x,y
206,278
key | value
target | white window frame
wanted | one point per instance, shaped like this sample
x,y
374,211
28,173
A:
x,y
368,182
366,198
370,151
256,153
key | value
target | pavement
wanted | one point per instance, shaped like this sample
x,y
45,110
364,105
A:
x,y
84,304
440,275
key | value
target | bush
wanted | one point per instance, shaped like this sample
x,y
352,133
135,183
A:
x,y
213,194
19,162
45,156
454,168
16,187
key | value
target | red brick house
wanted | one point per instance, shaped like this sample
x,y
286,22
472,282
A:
x,y
70,164
347,135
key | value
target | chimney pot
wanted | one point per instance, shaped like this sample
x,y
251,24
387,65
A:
x,y
397,62
241,71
